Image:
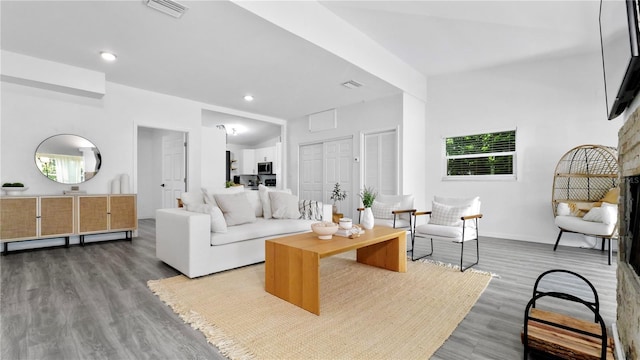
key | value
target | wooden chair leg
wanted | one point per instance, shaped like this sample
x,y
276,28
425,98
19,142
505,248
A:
x,y
557,240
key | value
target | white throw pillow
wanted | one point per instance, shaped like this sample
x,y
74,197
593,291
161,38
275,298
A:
x,y
563,209
218,224
446,215
383,210
284,206
406,202
191,198
609,213
236,208
594,215
254,200
474,202
266,202
209,194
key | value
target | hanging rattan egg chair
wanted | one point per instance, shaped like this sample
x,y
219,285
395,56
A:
x,y
585,174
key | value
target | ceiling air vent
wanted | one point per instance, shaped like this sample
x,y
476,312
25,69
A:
x,y
351,84
168,7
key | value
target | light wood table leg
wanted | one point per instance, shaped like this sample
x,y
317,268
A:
x,y
298,275
388,255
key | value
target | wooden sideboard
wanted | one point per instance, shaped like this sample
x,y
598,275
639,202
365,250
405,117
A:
x,y
40,217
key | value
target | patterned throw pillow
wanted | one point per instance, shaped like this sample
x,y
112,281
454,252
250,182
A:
x,y
382,210
442,214
310,210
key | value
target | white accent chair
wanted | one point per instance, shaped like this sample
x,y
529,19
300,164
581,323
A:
x,y
452,219
394,211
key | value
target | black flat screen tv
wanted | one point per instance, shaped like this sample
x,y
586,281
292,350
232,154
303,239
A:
x,y
619,38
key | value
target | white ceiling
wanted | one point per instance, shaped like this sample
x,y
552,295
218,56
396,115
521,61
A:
x,y
218,52
438,37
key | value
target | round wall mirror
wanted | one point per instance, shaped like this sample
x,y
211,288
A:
x,y
68,159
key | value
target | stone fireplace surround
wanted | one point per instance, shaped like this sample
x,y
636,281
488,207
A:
x,y
628,289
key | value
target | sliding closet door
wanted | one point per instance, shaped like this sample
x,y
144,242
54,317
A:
x,y
380,161
324,164
339,169
311,172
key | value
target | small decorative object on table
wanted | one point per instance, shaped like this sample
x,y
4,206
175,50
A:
x,y
337,195
346,223
324,229
13,188
368,196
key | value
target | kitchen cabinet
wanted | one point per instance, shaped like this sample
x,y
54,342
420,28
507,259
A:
x,y
248,162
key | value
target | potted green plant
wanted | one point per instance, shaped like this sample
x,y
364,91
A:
x,y
13,188
368,196
337,195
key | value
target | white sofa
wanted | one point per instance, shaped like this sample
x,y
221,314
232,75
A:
x,y
186,241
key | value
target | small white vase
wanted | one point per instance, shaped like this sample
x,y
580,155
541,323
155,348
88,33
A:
x,y
115,186
124,184
367,219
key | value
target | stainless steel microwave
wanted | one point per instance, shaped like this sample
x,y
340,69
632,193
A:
x,y
265,168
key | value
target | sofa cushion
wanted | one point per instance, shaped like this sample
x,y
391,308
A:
x,y
284,206
453,233
191,198
218,224
577,224
406,202
262,228
209,194
236,208
612,196
448,215
266,202
400,223
382,210
254,200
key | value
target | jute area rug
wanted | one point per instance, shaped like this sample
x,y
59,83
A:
x,y
365,312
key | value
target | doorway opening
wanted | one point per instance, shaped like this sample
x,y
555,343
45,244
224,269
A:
x,y
161,169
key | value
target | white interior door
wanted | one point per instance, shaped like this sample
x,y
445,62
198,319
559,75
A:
x,y
311,172
173,169
380,161
338,169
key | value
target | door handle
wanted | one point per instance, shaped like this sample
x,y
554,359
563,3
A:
x,y
162,185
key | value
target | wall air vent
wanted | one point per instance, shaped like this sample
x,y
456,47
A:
x,y
351,84
168,7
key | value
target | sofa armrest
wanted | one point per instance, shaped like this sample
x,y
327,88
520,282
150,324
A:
x,y
182,239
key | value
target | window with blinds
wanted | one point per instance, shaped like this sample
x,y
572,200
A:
x,y
481,155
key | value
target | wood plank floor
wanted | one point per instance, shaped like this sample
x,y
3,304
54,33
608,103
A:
x,y
93,302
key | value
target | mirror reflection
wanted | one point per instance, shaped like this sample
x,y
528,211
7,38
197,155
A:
x,y
68,159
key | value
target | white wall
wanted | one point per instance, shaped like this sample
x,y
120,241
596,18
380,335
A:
x,y
554,104
31,114
385,113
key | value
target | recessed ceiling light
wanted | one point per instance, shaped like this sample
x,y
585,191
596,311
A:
x,y
107,56
248,98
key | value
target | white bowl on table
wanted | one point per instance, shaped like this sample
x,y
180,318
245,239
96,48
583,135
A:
x,y
324,229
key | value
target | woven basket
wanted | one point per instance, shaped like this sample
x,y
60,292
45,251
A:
x,y
585,173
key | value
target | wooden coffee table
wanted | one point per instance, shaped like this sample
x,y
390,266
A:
x,y
292,263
